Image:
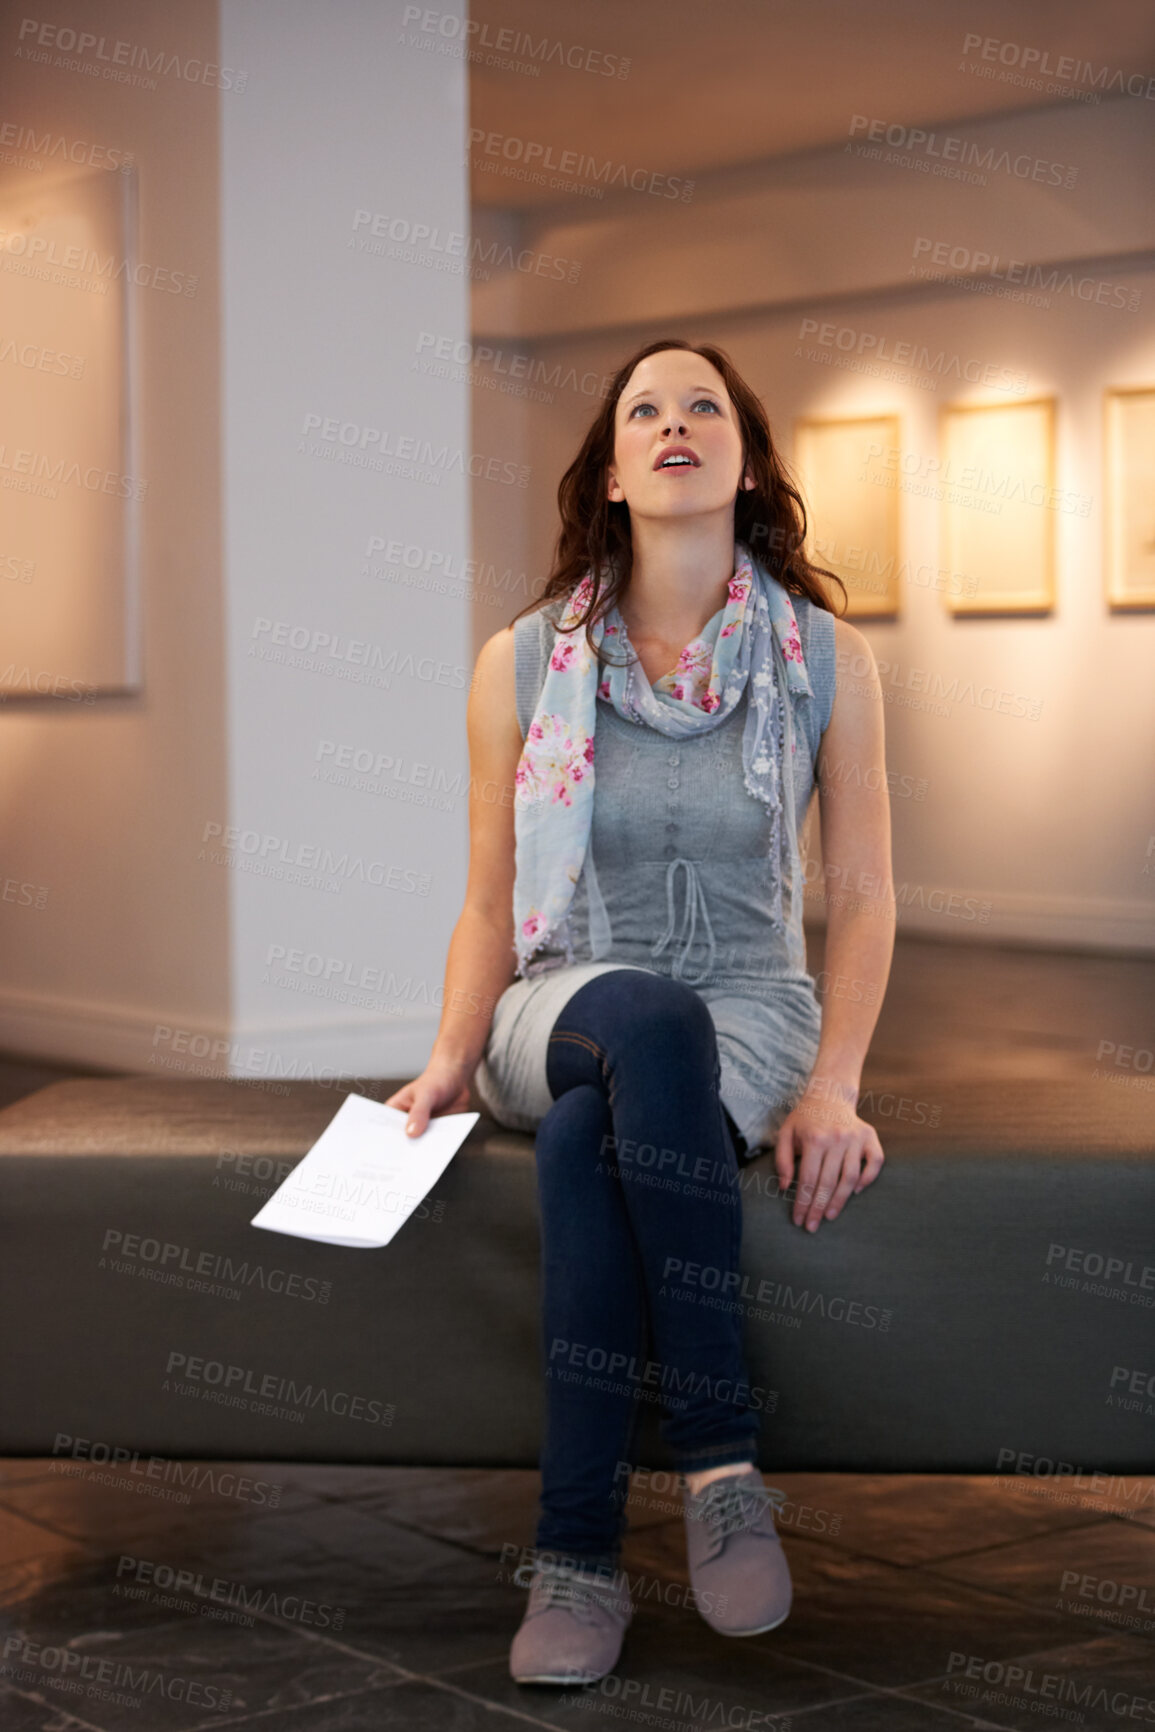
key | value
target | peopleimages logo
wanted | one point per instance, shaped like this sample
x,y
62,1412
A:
x,y
643,1700
1077,1261
201,1476
28,1662
51,144
382,235
946,149
118,60
230,1385
1026,1686
984,266
869,347
535,160
727,1282
173,1262
1109,1592
1116,1488
361,438
515,365
37,359
55,471
580,1355
270,850
1037,64
220,1591
506,47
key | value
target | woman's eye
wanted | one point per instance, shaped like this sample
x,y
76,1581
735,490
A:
x,y
708,401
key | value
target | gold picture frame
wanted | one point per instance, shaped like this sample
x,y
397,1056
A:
x,y
999,504
852,509
1129,496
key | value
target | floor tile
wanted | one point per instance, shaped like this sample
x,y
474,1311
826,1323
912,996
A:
x,y
1099,1685
912,1519
188,1670
20,1713
894,1627
484,1510
669,1675
31,1554
406,1707
1102,1573
107,1505
879,1713
349,1481
74,1604
465,1613
297,1544
370,1579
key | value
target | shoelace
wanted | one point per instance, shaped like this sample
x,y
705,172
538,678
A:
x,y
560,1587
730,1505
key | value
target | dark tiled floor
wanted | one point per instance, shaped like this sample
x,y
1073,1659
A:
x,y
378,1597
367,1598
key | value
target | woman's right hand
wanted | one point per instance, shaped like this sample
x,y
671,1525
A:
x,y
441,1088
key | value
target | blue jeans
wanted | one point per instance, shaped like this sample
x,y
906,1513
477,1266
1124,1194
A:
x,y
637,1166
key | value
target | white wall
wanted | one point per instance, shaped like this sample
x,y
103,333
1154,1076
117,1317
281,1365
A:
x,y
320,361
1047,821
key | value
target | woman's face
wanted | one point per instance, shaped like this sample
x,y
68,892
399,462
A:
x,y
676,401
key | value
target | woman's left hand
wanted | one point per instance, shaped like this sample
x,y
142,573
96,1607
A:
x,y
838,1155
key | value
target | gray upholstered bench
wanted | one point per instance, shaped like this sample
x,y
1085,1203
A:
x,y
987,1306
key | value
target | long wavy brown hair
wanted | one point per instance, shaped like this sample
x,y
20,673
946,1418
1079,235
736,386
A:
x,y
769,517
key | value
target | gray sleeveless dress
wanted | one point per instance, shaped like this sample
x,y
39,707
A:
x,y
677,881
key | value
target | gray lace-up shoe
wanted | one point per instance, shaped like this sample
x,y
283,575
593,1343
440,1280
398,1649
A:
x,y
573,1626
738,1569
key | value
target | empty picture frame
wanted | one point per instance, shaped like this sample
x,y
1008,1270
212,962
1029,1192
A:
x,y
1129,495
69,566
998,505
851,499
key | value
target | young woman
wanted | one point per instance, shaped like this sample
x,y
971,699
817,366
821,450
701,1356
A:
x,y
634,916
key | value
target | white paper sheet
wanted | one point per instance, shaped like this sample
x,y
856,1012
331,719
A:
x,y
363,1177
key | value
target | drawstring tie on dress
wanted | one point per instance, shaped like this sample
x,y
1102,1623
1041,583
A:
x,y
694,905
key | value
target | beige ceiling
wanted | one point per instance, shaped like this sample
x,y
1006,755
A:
x,y
717,83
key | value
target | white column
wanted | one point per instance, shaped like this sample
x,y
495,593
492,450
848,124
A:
x,y
344,225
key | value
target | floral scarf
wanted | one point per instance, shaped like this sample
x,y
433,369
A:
x,y
553,800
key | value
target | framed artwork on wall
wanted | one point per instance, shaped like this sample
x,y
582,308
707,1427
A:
x,y
998,506
1129,496
851,500
70,601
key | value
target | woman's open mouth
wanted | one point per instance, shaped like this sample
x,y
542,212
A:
x,y
678,457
